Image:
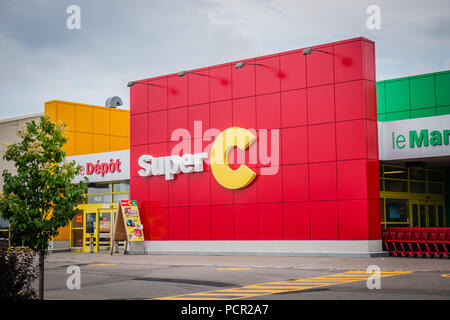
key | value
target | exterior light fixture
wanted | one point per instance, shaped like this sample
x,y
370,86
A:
x,y
308,51
240,65
183,73
132,83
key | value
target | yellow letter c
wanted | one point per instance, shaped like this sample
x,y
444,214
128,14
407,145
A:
x,y
225,141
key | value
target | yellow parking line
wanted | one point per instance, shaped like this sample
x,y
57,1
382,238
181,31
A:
x,y
100,264
269,288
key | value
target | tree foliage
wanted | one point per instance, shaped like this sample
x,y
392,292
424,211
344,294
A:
x,y
40,198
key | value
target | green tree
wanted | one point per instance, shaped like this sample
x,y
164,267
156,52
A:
x,y
40,198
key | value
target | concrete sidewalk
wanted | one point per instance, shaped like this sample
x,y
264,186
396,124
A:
x,y
301,263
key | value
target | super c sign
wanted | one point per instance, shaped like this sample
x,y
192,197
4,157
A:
x,y
224,142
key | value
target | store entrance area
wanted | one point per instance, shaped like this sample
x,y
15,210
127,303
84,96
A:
x,y
412,197
92,227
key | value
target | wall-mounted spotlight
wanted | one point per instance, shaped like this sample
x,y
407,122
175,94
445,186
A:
x,y
308,51
183,73
132,83
240,65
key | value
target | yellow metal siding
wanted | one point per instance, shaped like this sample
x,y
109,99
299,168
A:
x,y
91,129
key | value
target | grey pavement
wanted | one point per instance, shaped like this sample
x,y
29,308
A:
x,y
139,277
303,263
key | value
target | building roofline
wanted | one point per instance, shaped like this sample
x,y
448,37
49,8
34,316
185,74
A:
x,y
22,117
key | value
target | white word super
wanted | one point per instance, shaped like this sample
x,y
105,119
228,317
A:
x,y
171,165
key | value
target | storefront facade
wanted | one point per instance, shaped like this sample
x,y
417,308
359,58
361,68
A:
x,y
98,141
321,195
286,154
414,133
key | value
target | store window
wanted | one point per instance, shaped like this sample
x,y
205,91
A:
x,y
108,192
397,210
411,196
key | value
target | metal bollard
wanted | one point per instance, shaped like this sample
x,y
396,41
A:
x,y
91,242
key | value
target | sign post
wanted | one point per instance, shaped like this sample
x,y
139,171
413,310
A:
x,y
127,226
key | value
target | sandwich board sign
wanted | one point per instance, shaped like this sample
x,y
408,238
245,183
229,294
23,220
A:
x,y
128,226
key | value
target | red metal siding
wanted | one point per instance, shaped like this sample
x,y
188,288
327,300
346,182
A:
x,y
327,185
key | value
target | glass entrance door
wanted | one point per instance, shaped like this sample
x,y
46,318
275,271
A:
x,y
90,235
105,226
428,213
431,213
440,214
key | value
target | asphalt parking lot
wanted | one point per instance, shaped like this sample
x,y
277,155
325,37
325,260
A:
x,y
178,277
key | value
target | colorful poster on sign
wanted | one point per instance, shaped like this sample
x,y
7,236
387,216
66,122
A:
x,y
132,220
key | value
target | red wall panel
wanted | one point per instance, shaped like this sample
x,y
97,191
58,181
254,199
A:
x,y
321,104
179,223
319,67
322,143
177,92
198,90
139,130
293,71
294,108
296,221
222,222
139,99
200,222
295,182
157,94
244,112
220,83
158,224
294,145
268,75
243,84
353,220
322,181
270,221
323,220
246,222
324,106
268,111
157,127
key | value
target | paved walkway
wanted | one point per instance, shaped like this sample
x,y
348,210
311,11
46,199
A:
x,y
302,263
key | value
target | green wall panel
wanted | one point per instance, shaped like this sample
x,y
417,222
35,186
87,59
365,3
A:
x,y
381,117
421,113
443,89
381,98
414,97
398,115
397,96
422,92
442,110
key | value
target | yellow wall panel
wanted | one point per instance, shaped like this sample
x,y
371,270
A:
x,y
50,110
128,126
101,143
64,234
101,120
65,113
118,123
83,143
69,147
84,118
118,143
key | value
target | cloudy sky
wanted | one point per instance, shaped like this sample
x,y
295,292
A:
x,y
119,40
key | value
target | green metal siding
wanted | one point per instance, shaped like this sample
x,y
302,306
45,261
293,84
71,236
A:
x,y
418,96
